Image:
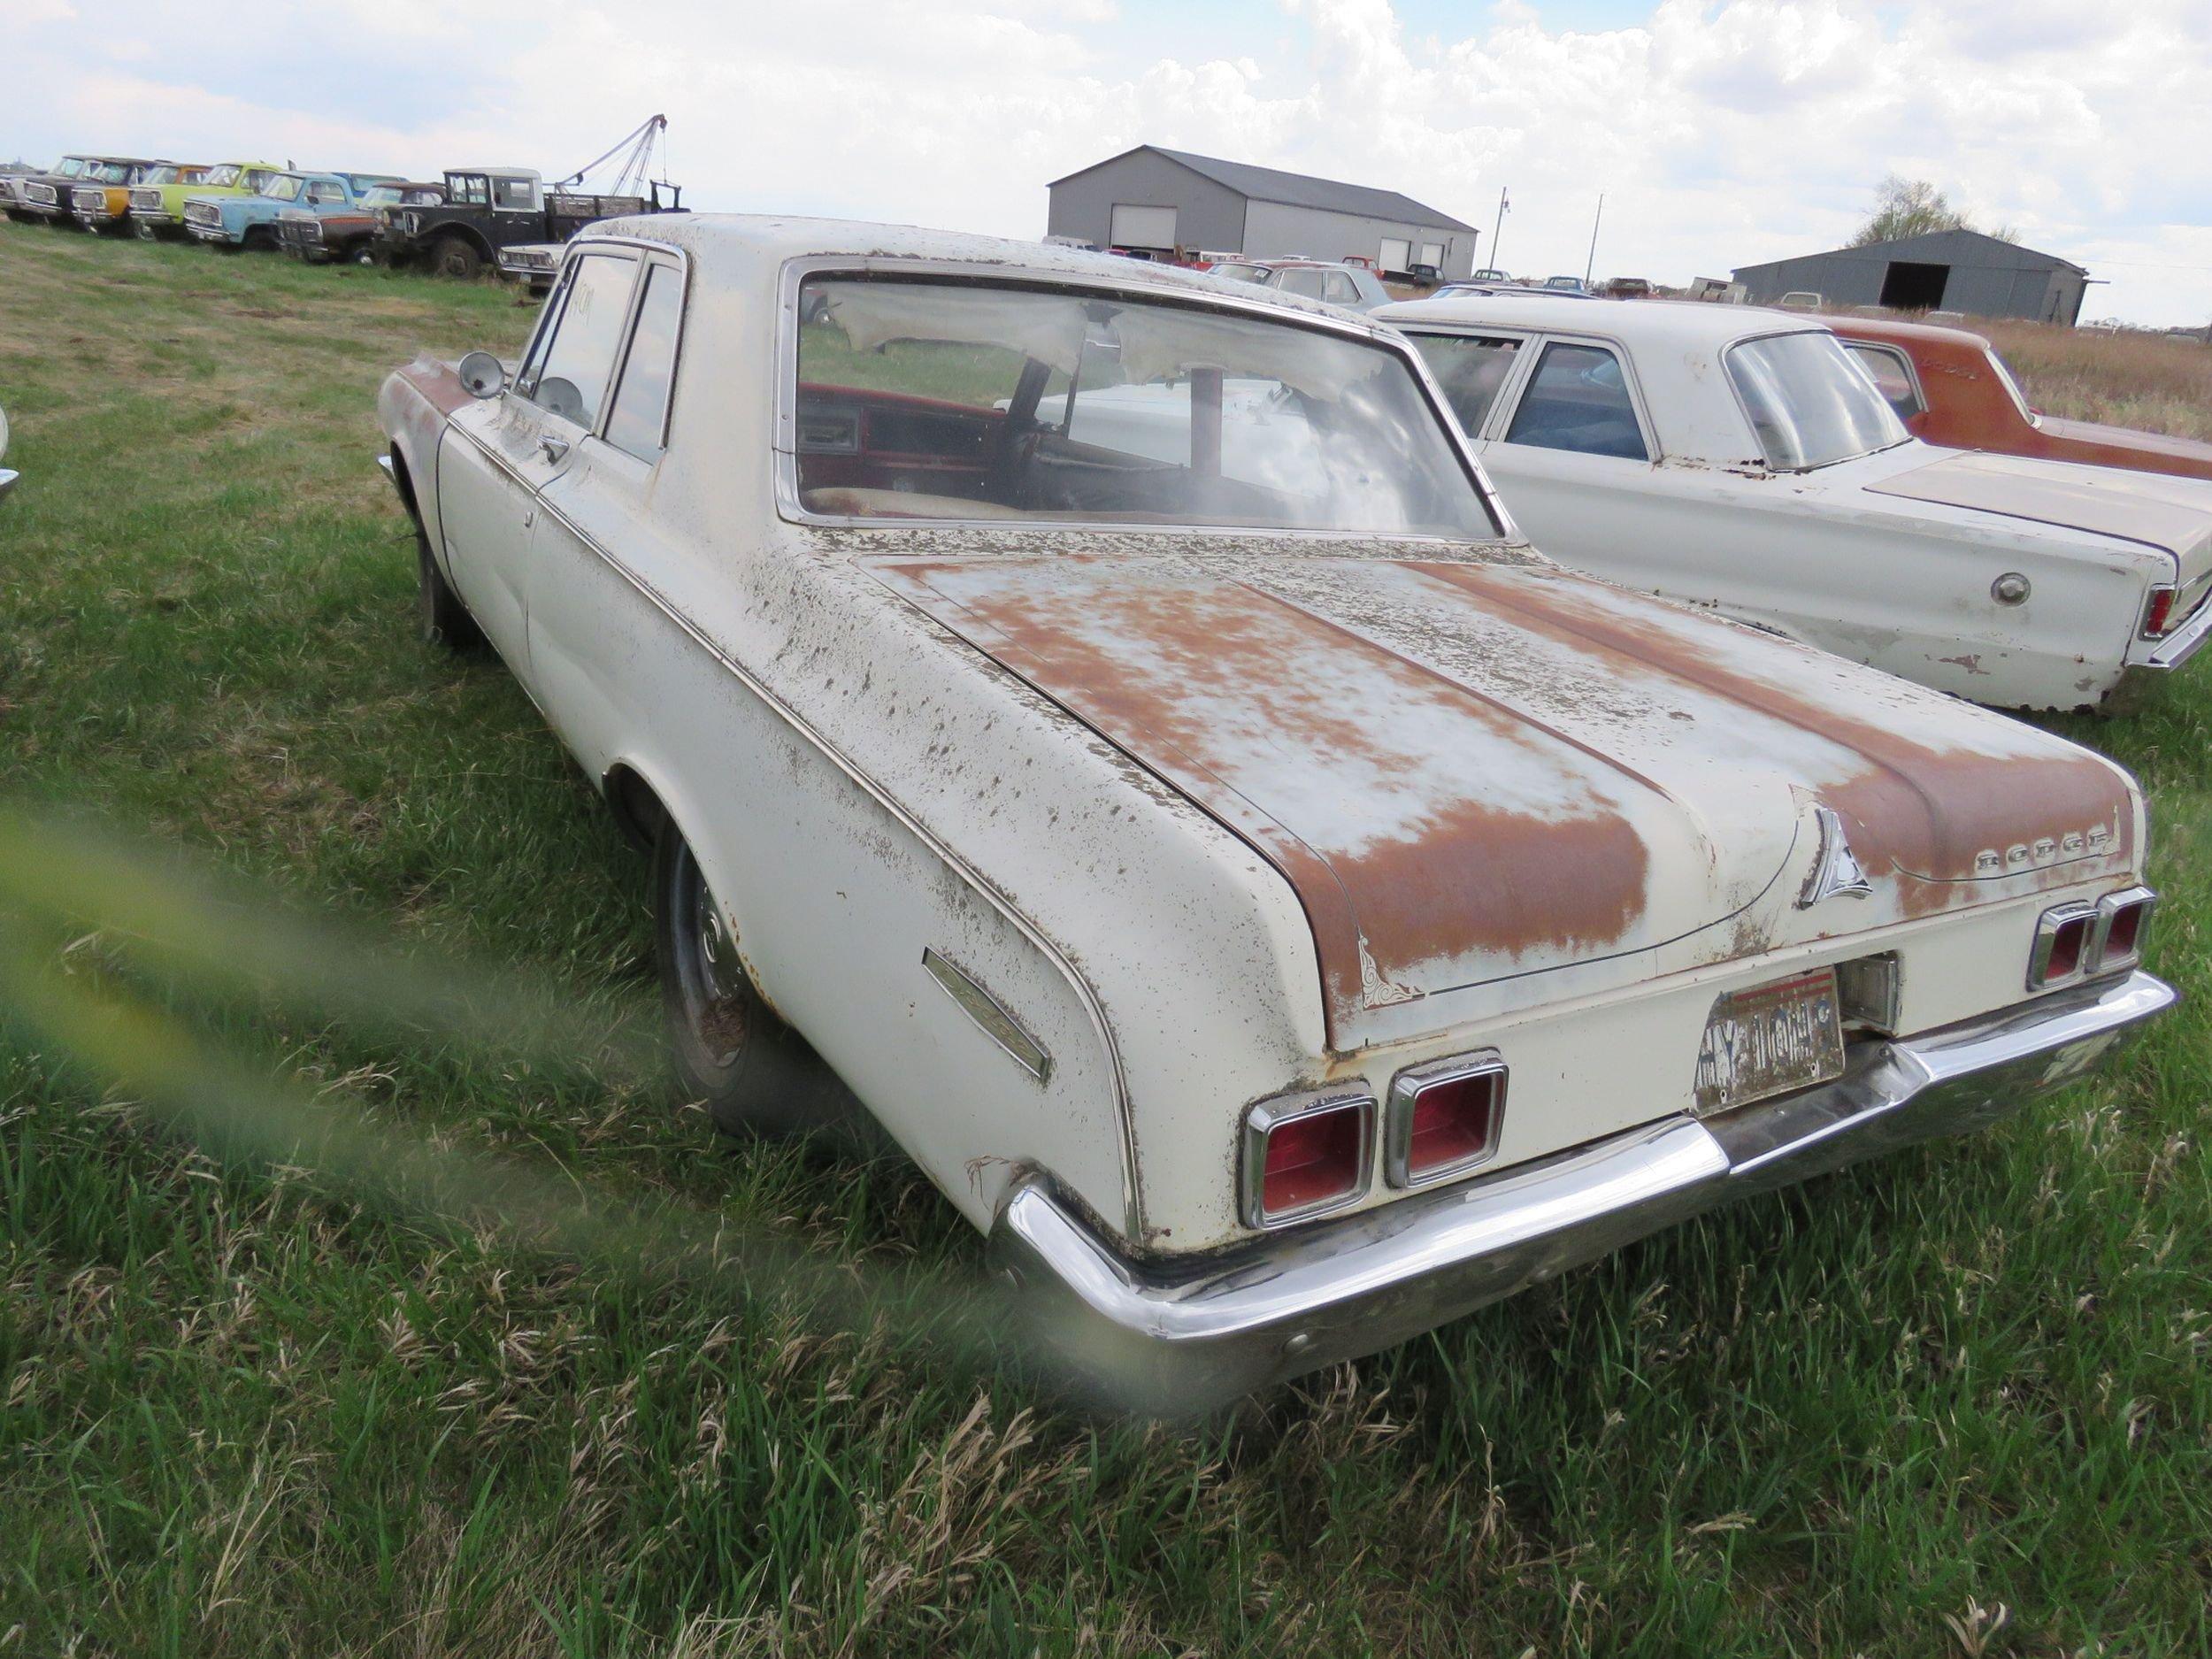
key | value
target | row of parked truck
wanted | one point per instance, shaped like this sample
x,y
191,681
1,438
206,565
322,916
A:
x,y
456,225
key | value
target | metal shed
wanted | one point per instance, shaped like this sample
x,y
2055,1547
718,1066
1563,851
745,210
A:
x,y
1959,271
1155,200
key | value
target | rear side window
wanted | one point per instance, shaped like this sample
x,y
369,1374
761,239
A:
x,y
1473,371
577,356
1892,377
1578,400
641,404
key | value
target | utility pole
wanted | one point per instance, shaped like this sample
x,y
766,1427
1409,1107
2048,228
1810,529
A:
x,y
1592,264
1496,228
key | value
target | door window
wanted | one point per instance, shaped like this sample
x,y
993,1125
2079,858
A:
x,y
577,355
1473,371
512,194
634,423
1339,289
1578,400
1892,377
323,190
1303,280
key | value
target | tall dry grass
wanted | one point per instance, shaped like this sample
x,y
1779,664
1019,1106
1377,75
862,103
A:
x,y
2147,381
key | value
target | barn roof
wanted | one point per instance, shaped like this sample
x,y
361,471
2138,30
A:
x,y
1939,247
1294,190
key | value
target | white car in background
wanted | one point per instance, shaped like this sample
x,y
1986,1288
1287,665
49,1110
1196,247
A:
x,y
1277,907
1741,459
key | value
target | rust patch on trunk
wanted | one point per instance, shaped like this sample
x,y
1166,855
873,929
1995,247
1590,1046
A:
x,y
1922,813
1423,827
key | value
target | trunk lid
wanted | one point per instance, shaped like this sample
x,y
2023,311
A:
x,y
1477,774
2153,509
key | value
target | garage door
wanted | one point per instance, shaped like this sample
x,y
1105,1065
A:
x,y
1143,227
1394,254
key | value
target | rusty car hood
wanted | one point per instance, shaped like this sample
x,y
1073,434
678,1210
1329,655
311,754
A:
x,y
2171,514
1471,772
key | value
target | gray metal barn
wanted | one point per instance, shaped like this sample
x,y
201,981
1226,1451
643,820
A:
x,y
1944,270
1155,201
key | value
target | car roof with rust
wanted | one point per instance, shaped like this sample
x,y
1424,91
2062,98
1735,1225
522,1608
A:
x,y
1651,324
1897,329
731,242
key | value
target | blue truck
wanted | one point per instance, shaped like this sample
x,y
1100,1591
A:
x,y
250,221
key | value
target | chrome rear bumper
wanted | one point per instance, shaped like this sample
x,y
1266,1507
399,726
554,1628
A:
x,y
1182,1338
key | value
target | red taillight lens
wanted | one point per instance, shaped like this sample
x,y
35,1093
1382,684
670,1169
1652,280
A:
x,y
1444,1118
2062,937
2158,615
1305,1155
2125,914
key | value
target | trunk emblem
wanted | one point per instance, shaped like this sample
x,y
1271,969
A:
x,y
1837,871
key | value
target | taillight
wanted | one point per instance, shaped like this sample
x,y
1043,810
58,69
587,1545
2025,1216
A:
x,y
2158,615
1444,1119
2076,939
2122,918
2062,936
1306,1154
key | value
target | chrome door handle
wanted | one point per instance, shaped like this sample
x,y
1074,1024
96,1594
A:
x,y
554,448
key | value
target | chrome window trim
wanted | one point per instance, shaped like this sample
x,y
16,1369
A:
x,y
2047,929
1261,1119
1903,359
1508,392
526,383
1524,381
668,259
785,469
1398,1131
2108,911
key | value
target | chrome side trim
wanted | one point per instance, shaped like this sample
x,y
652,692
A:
x,y
989,1015
1125,1117
1180,1336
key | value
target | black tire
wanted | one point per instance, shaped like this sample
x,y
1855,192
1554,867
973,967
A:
x,y
440,614
457,256
732,1052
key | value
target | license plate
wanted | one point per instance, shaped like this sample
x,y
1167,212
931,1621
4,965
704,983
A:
x,y
1769,1040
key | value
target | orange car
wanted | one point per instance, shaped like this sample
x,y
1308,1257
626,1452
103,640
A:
x,y
1952,389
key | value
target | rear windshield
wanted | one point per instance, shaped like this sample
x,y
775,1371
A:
x,y
923,400
1809,404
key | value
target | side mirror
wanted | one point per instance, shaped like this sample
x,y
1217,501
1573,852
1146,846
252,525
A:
x,y
480,372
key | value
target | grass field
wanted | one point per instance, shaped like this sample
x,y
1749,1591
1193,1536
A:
x,y
363,1293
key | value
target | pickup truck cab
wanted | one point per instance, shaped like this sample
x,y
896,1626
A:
x,y
323,231
250,221
1278,908
51,196
105,207
487,209
158,200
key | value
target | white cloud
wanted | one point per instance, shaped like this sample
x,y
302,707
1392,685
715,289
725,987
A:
x,y
1722,132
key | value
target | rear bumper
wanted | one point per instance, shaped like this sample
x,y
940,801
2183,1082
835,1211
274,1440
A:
x,y
1181,1338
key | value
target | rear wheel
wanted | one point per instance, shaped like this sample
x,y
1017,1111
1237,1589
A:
x,y
754,1075
457,256
440,614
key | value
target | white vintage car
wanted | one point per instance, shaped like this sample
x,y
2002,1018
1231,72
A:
x,y
1276,906
1740,458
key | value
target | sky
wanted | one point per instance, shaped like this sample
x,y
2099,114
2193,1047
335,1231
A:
x,y
1721,133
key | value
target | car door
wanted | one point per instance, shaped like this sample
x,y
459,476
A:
x,y
503,450
597,536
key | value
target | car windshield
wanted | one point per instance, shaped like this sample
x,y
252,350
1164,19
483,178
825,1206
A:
x,y
224,176
1808,403
165,173
284,186
110,172
1238,273
72,167
973,402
